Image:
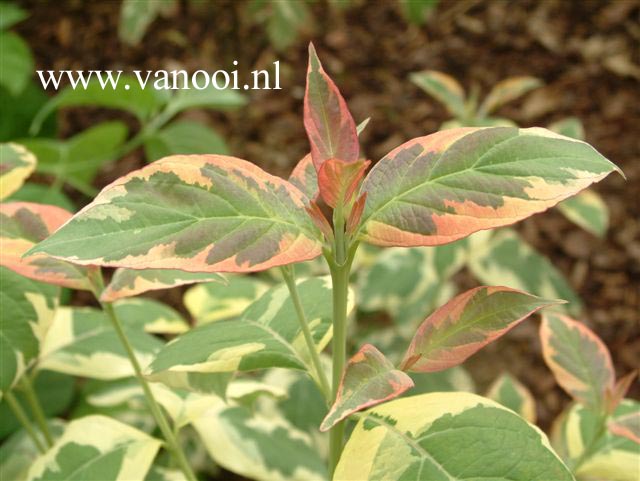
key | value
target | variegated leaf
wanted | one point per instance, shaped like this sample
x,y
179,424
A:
x,y
511,393
579,360
97,447
198,213
507,90
447,437
587,210
213,302
23,225
569,127
267,334
595,454
448,185
368,380
503,257
338,180
16,165
259,447
131,282
627,426
327,120
82,342
151,316
443,88
27,310
466,324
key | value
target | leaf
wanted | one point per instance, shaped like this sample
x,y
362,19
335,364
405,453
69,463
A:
x,y
338,180
453,379
417,11
205,213
131,282
444,88
466,324
27,310
507,259
507,90
368,380
80,158
23,225
448,185
259,447
327,120
137,15
447,437
627,426
619,391
216,302
42,194
286,21
267,334
10,14
19,110
16,62
569,127
611,457
97,447
16,165
587,210
184,137
211,98
151,316
512,394
82,342
578,359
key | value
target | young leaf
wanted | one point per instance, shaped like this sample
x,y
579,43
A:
x,y
23,225
447,437
508,90
627,426
27,310
16,164
448,185
200,213
131,282
615,396
443,88
503,257
327,120
368,380
338,180
511,393
579,360
466,324
97,447
587,210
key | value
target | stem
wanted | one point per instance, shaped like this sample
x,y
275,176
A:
x,y
590,448
171,441
288,273
36,409
14,405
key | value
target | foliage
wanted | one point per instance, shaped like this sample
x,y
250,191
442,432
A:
x,y
250,382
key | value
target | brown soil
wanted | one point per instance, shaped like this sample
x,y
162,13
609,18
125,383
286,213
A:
x,y
587,52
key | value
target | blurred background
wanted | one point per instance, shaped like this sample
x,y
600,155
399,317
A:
x,y
584,54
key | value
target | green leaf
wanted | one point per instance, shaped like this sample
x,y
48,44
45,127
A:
x,y
184,137
436,189
151,316
611,457
16,165
79,159
210,98
627,426
97,447
267,334
137,15
466,324
27,310
569,127
259,447
286,20
512,394
578,358
453,379
10,14
417,11
16,62
587,210
444,88
44,194
507,90
214,301
368,380
131,282
508,260
447,437
19,110
82,342
195,213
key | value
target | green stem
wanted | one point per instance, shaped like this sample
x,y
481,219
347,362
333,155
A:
x,y
288,273
171,441
589,450
14,405
36,409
